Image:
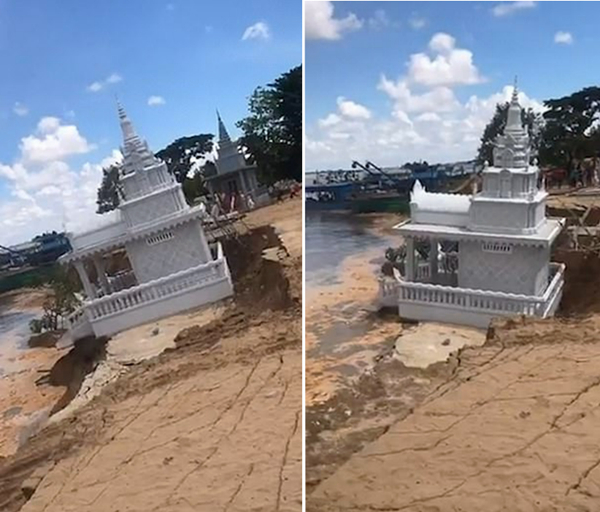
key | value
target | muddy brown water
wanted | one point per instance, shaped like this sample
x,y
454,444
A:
x,y
331,237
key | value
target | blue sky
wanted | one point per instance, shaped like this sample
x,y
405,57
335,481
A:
x,y
63,62
398,81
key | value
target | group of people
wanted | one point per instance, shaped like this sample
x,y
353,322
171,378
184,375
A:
x,y
580,176
222,204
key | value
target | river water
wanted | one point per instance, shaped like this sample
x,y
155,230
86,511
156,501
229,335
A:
x,y
344,334
24,406
14,333
332,237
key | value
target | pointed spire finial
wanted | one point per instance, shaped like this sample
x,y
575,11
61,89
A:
x,y
223,135
120,109
126,126
515,93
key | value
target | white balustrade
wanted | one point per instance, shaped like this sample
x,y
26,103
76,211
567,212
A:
x,y
76,318
474,300
160,288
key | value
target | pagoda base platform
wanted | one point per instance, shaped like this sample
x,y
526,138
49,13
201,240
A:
x,y
147,302
464,306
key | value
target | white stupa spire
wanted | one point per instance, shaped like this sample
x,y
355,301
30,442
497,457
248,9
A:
x,y
513,121
512,146
135,150
126,125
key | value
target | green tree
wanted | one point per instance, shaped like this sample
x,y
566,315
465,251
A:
x,y
273,130
183,152
109,190
495,127
571,132
60,303
194,186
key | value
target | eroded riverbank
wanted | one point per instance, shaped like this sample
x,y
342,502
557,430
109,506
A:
x,y
509,425
193,426
24,406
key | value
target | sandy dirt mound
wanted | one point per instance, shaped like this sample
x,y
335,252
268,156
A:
x,y
194,427
25,298
205,442
514,428
581,293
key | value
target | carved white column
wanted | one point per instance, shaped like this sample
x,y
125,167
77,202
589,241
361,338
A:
x,y
204,243
410,259
85,280
433,261
101,271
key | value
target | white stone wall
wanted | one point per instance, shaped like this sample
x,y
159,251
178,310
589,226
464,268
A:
x,y
540,213
154,207
229,158
502,217
543,273
183,247
519,271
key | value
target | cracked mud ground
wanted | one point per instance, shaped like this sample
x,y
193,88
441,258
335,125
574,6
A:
x,y
207,426
510,426
514,428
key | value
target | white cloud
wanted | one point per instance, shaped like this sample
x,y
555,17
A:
x,y
95,87
47,194
379,20
348,112
563,37
507,8
449,66
49,190
53,141
411,131
417,23
329,120
260,30
115,78
20,109
352,110
48,124
320,23
438,99
154,101
429,117
442,43
111,79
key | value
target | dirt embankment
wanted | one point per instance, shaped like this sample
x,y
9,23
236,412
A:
x,y
192,428
26,298
581,295
512,427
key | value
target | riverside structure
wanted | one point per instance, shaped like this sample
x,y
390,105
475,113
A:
x,y
470,258
172,266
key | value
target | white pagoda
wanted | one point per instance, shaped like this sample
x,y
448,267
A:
x,y
172,266
234,175
472,258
